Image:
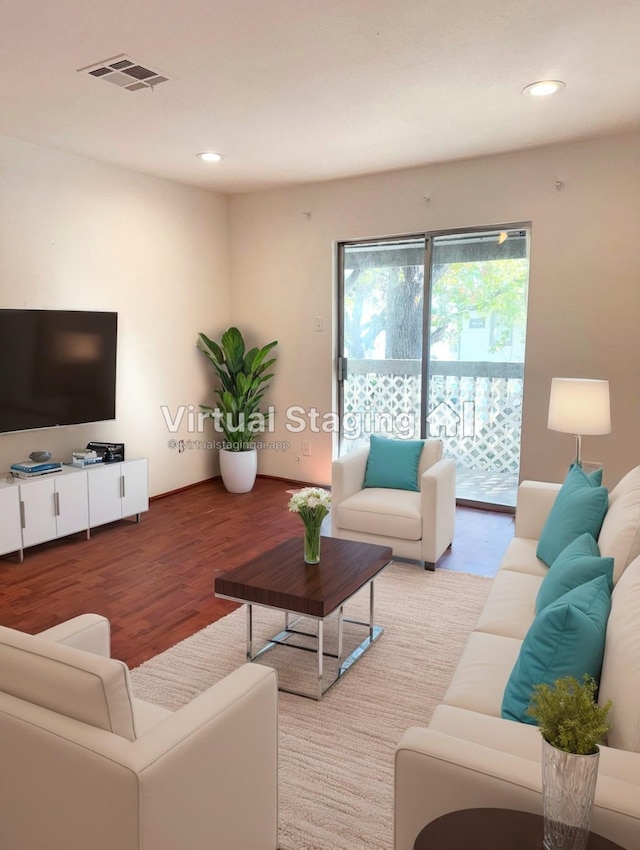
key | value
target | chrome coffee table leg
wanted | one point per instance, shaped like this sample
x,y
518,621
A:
x,y
372,600
320,656
250,632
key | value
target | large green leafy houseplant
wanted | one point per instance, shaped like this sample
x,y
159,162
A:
x,y
244,379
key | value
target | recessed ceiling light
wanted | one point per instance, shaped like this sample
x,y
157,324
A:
x,y
543,88
209,156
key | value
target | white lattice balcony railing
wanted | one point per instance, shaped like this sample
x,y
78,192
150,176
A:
x,y
475,407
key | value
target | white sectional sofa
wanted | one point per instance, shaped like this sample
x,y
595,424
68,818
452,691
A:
x,y
469,756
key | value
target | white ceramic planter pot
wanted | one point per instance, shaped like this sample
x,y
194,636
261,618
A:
x,y
238,470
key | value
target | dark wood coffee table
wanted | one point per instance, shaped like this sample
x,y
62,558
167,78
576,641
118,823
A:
x,y
281,580
492,829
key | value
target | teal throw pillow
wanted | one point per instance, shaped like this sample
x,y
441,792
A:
x,y
565,639
579,508
393,463
578,563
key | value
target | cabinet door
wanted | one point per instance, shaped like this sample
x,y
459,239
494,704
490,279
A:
x,y
72,499
38,511
135,490
10,528
105,494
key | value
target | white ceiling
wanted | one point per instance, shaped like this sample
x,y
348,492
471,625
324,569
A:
x,y
292,91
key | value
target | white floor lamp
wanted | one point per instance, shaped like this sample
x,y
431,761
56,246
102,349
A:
x,y
579,406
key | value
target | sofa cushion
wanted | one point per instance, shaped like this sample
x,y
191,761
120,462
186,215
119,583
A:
x,y
147,716
579,508
393,463
620,680
510,606
520,557
376,510
565,639
69,681
579,562
482,673
620,534
487,731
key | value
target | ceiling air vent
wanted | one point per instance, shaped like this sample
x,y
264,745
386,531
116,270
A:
x,y
124,72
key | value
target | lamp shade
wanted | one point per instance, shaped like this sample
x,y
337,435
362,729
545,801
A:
x,y
579,406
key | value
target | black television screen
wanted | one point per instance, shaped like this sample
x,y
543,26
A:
x,y
58,367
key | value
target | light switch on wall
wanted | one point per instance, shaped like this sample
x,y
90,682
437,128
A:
x,y
317,323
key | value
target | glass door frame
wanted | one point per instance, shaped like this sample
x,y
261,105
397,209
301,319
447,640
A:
x,y
429,237
341,360
425,378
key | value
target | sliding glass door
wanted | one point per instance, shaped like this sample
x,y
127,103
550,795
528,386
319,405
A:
x,y
477,284
439,353
381,340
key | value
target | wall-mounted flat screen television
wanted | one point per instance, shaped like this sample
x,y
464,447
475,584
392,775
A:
x,y
57,367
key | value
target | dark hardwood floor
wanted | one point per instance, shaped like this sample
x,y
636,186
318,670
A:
x,y
154,579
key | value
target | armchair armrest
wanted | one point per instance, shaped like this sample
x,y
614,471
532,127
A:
x,y
535,499
89,632
347,477
438,508
210,757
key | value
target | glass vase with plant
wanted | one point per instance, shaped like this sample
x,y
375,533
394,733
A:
x,y
572,724
312,504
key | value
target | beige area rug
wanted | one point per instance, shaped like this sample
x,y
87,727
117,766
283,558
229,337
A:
x,y
336,756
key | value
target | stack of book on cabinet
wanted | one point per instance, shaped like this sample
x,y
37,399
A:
x,y
32,468
85,457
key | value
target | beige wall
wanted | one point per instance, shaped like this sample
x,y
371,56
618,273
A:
x,y
77,234
584,299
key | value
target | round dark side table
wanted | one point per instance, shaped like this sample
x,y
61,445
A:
x,y
492,829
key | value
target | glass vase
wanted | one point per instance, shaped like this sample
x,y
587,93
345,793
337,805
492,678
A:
x,y
311,543
568,790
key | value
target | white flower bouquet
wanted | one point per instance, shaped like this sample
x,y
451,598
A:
x,y
313,504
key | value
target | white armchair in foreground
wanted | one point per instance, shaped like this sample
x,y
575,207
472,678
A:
x,y
86,765
417,525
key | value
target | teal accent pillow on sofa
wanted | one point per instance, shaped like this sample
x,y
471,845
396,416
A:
x,y
578,563
393,463
565,639
579,508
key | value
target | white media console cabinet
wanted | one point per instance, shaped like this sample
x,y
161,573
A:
x,y
70,500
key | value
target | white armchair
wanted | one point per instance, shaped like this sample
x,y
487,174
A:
x,y
86,765
417,525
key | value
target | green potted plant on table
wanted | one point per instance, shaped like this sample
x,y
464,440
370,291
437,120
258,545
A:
x,y
244,378
572,724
